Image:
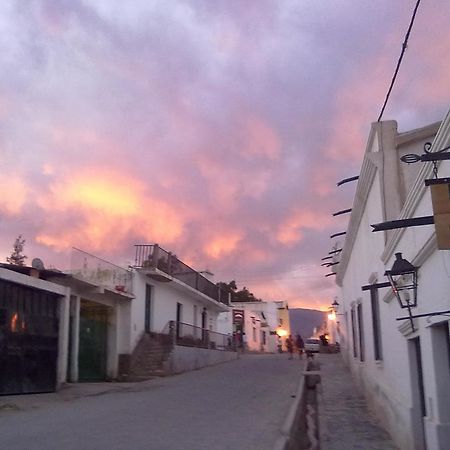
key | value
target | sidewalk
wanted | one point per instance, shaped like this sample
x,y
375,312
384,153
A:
x,y
345,422
68,392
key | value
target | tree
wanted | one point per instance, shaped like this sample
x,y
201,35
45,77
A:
x,y
243,295
228,287
17,258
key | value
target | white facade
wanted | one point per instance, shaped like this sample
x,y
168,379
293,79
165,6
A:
x,y
404,373
165,295
261,323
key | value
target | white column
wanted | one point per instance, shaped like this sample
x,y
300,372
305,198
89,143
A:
x,y
75,337
63,338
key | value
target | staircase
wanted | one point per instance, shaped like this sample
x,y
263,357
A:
x,y
149,358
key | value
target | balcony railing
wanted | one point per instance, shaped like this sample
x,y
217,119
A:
x,y
153,256
92,269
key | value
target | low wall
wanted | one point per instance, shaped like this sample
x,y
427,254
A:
x,y
183,359
299,430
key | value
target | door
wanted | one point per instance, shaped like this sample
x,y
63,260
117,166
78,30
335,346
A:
x,y
179,319
148,308
418,392
92,352
28,339
204,332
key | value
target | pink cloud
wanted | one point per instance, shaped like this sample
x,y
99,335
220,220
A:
x,y
260,139
107,208
14,194
291,230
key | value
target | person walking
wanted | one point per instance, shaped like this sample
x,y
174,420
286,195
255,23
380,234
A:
x,y
300,345
244,342
290,346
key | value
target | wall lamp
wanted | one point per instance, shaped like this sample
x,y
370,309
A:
x,y
403,280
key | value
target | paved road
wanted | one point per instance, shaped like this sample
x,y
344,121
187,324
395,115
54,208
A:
x,y
236,405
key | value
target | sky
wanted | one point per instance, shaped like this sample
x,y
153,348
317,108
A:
x,y
215,128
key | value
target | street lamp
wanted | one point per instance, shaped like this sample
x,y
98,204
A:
x,y
332,310
403,280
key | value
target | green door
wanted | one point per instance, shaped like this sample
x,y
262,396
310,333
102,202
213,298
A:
x,y
92,350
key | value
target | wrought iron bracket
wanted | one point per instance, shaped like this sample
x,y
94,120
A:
x,y
375,286
347,180
338,234
415,316
428,156
403,223
344,211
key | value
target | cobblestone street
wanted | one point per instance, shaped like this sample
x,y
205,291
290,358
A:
x,y
346,423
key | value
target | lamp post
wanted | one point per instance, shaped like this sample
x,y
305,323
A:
x,y
403,280
333,324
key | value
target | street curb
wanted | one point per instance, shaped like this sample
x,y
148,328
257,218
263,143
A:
x,y
291,428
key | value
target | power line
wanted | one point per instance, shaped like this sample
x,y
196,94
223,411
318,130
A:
x,y
252,280
404,46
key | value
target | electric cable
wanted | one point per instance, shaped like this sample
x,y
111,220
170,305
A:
x,y
404,46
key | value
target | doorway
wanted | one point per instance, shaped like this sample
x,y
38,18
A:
x,y
148,308
92,352
179,319
29,327
418,392
204,318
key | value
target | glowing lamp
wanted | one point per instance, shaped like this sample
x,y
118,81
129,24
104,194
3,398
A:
x,y
281,332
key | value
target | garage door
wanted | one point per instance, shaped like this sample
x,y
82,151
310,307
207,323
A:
x,y
28,339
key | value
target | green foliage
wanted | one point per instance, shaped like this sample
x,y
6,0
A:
x,y
17,258
243,295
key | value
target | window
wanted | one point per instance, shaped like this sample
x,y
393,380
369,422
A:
x,y
355,352
361,332
254,334
376,326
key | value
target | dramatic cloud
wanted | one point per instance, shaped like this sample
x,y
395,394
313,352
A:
x,y
216,129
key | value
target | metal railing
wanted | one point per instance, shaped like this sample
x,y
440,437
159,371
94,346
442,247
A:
x,y
87,267
192,336
153,256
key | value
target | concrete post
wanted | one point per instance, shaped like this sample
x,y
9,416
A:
x,y
75,337
63,338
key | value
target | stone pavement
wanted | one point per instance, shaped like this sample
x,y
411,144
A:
x,y
344,420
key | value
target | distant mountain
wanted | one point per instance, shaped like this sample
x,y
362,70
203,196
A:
x,y
303,321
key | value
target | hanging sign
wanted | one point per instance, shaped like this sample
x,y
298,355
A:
x,y
440,196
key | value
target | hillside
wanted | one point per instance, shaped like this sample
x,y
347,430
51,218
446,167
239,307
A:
x,y
304,321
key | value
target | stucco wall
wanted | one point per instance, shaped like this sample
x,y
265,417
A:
x,y
183,359
165,297
391,384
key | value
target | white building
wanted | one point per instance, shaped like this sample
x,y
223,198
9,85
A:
x,y
100,322
265,324
404,371
174,298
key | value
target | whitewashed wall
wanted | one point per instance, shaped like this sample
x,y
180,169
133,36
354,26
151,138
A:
x,y
391,383
165,297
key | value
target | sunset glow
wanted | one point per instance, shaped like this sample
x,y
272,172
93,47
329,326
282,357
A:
x,y
214,129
